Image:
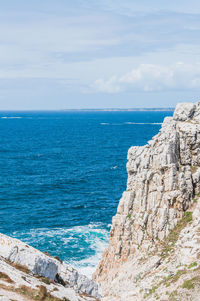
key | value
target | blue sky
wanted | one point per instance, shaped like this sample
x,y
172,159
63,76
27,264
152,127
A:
x,y
95,54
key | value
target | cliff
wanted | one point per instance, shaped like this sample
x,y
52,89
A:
x,y
28,274
154,246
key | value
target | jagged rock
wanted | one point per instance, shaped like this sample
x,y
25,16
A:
x,y
163,182
38,263
78,281
184,111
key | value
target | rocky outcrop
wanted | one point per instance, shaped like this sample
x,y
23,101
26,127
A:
x,y
27,266
162,191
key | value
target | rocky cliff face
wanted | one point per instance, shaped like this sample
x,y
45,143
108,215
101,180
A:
x,y
147,239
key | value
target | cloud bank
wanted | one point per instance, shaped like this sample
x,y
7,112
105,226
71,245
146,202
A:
x,y
151,78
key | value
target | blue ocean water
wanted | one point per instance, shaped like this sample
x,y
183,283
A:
x,y
62,175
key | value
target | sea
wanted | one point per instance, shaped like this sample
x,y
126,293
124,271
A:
x,y
62,174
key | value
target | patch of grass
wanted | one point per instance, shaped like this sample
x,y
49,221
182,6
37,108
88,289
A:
x,y
18,266
172,296
167,282
151,291
192,265
45,280
33,294
191,283
43,293
187,217
194,168
5,277
170,279
188,284
173,236
21,268
40,295
178,275
194,200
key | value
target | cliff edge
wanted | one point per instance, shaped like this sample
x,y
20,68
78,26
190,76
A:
x,y
154,246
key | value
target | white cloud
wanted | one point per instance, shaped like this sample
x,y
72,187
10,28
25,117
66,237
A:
x,y
108,86
152,77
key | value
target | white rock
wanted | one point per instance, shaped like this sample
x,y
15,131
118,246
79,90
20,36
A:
x,y
41,264
162,179
184,111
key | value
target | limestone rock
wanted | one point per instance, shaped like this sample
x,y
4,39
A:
x,y
163,183
37,263
184,111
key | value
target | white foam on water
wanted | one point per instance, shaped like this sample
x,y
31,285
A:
x,y
147,123
134,123
88,265
90,241
10,117
114,167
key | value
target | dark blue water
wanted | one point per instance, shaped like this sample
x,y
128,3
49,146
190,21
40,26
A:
x,y
62,175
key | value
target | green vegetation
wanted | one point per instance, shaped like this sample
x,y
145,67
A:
x,y
194,168
45,280
188,284
151,291
167,248
172,296
33,294
173,236
40,295
192,265
178,275
19,267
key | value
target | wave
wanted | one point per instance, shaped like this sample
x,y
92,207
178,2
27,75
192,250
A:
x,y
134,123
114,167
79,246
10,117
144,123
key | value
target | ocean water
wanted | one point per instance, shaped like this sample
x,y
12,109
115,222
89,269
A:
x,y
62,175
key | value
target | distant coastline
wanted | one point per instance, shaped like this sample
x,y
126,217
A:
x,y
170,109
121,110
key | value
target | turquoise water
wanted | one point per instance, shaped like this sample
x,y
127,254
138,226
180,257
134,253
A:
x,y
62,175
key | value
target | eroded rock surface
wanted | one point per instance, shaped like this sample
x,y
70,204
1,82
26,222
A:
x,y
19,260
163,183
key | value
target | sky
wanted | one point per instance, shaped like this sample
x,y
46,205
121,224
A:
x,y
76,54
